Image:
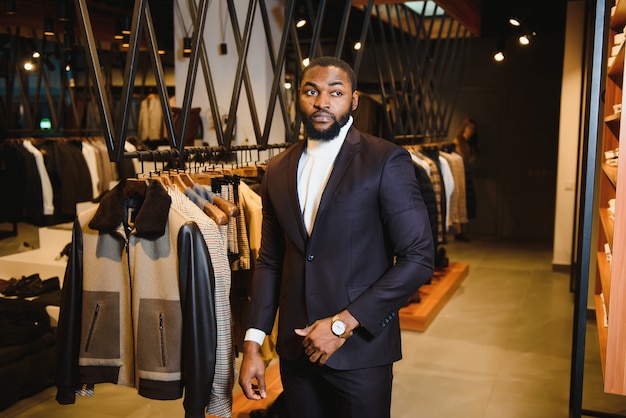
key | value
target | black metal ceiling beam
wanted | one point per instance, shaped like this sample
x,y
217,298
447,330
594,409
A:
x,y
93,62
277,91
241,73
208,81
192,70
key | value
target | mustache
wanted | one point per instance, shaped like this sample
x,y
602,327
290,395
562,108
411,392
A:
x,y
323,113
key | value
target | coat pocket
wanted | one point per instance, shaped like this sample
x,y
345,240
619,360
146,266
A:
x,y
100,328
159,336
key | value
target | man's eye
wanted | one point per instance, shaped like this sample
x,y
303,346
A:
x,y
310,92
336,93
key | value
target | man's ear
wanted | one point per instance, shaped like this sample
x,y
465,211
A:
x,y
355,100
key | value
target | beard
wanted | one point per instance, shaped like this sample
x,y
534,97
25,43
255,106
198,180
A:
x,y
329,133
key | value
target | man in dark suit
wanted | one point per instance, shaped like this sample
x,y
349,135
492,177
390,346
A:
x,y
346,241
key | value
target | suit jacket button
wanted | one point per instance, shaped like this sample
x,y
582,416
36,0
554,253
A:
x,y
310,257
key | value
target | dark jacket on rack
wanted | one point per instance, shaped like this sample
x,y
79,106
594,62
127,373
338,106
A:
x,y
75,179
428,194
22,186
138,301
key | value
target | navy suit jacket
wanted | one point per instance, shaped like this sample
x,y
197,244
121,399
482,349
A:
x,y
370,249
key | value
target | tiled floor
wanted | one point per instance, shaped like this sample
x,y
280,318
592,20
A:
x,y
500,348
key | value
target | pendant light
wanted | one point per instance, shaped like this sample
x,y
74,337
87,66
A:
x,y
186,46
48,26
11,7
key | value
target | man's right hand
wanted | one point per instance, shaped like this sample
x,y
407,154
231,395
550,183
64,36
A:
x,y
252,372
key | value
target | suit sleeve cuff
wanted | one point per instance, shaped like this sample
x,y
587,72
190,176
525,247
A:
x,y
256,335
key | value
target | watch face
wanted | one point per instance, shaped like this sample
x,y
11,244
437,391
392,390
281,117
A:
x,y
339,327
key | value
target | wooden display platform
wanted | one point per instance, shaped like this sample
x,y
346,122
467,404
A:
x,y
433,297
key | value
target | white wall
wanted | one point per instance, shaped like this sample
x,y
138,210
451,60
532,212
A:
x,y
571,94
218,29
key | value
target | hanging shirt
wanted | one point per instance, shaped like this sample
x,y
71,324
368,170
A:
x,y
89,152
448,181
150,125
314,168
46,185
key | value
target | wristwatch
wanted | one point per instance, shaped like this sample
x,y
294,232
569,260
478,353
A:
x,y
338,328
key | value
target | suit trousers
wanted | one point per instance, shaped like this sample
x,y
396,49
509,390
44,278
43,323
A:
x,y
314,391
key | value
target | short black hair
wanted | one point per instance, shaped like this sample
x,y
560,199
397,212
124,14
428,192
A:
x,y
331,62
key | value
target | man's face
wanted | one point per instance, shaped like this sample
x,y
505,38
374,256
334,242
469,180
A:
x,y
326,101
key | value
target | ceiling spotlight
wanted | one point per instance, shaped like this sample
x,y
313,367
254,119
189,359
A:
x,y
126,41
524,40
300,18
499,55
357,46
48,26
186,46
305,62
29,66
36,54
513,21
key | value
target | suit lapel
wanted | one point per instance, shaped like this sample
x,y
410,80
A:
x,y
292,188
347,152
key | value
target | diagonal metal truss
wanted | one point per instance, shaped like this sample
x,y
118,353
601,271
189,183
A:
x,y
423,64
417,58
115,135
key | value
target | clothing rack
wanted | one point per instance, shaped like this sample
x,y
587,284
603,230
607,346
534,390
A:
x,y
445,146
50,174
42,138
427,302
236,156
416,139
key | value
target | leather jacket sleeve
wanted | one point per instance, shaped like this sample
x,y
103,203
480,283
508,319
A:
x,y
68,333
197,296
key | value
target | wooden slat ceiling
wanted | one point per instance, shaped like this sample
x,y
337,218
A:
x,y
104,14
466,12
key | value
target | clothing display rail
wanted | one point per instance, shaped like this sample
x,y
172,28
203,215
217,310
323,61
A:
x,y
441,174
199,158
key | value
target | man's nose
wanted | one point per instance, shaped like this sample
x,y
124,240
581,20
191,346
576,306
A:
x,y
322,101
